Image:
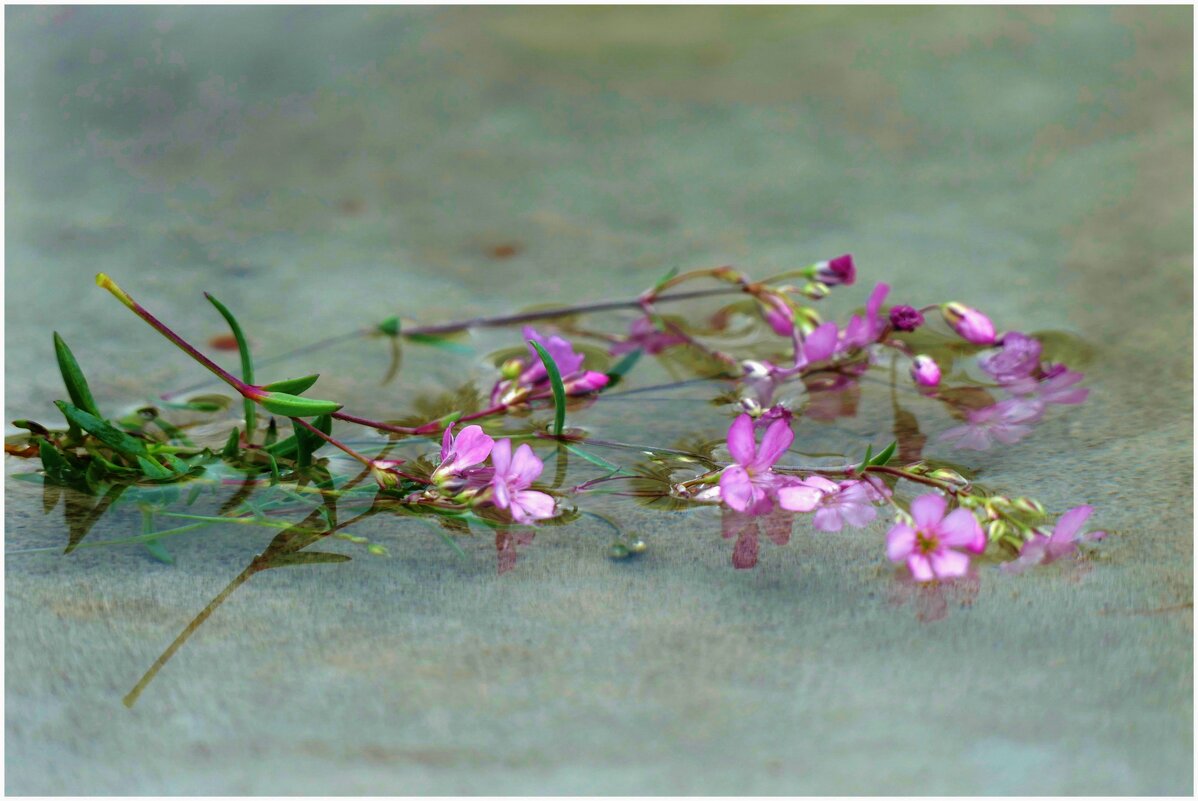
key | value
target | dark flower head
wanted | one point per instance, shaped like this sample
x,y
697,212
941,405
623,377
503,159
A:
x,y
905,318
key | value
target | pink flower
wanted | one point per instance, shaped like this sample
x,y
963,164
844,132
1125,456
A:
x,y
1042,549
862,331
933,548
849,502
925,371
905,318
471,447
839,271
533,379
1018,359
512,479
747,485
1007,422
970,324
645,335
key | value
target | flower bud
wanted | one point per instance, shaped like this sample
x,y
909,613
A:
x,y
839,271
905,318
380,471
949,477
815,290
925,371
1029,505
511,368
998,529
777,313
970,324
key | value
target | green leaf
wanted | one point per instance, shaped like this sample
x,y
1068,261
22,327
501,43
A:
x,y
72,376
616,374
559,390
306,558
287,405
869,452
308,443
103,431
158,551
232,445
884,457
247,364
201,403
390,326
294,386
665,279
151,469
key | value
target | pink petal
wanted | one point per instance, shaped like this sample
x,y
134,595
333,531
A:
x,y
530,505
501,457
822,484
928,510
471,447
799,498
820,344
736,489
920,567
900,542
742,443
526,467
961,530
827,519
501,495
858,514
775,442
949,564
447,443
1070,522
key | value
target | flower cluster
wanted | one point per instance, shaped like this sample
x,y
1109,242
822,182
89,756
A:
x,y
526,378
463,475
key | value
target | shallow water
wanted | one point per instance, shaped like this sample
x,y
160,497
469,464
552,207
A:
x,y
322,169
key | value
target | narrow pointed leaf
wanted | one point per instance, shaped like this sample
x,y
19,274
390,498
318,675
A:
x,y
102,430
247,364
151,469
293,386
559,390
288,405
305,558
72,376
884,457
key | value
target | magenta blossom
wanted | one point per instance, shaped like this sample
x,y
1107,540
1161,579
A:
x,y
970,324
905,318
862,331
934,547
643,334
1007,422
925,371
1042,549
531,377
459,454
849,502
510,484
750,485
839,271
818,346
1018,359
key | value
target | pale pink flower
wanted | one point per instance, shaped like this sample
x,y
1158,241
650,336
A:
x,y
935,547
533,378
1042,549
849,502
1018,359
1055,386
469,448
818,346
510,484
747,485
1007,422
